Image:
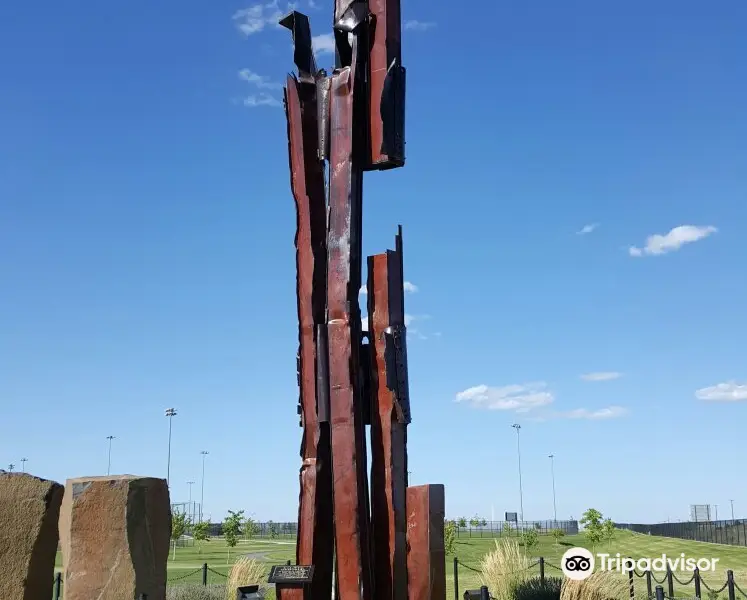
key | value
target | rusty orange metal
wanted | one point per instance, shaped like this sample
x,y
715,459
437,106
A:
x,y
426,558
344,336
388,425
387,86
315,543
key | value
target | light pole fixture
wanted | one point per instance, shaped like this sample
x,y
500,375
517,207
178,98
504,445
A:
x,y
517,427
25,460
109,462
202,483
170,413
554,505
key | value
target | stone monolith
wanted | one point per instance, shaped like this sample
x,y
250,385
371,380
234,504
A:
x,y
115,533
29,511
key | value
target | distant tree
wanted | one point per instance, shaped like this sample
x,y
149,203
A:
x,y
232,529
483,523
461,522
179,523
474,522
273,529
251,528
593,528
608,531
201,533
557,534
450,533
530,539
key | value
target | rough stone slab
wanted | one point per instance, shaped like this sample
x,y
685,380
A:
x,y
29,511
426,557
115,533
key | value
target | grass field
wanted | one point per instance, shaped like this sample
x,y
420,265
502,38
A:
x,y
186,568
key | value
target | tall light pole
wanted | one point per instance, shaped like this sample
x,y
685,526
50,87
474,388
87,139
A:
x,y
554,505
732,509
192,516
202,484
109,462
517,427
25,460
716,507
170,413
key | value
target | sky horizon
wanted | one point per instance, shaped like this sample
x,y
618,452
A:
x,y
572,203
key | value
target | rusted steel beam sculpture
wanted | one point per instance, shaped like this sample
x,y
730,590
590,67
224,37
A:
x,y
353,121
343,313
390,417
426,558
387,87
315,517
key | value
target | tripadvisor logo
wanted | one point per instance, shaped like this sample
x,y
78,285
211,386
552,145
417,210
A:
x,y
578,563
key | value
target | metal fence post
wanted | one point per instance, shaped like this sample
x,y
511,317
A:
x,y
456,578
58,586
659,593
204,574
670,582
696,579
631,582
484,594
730,583
649,589
542,569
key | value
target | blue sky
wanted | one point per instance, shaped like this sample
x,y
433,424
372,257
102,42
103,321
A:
x,y
147,260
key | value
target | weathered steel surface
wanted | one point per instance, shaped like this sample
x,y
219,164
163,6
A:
x,y
315,542
387,87
343,327
426,559
388,427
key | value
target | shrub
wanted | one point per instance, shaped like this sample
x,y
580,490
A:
x,y
556,535
245,571
449,536
197,591
600,585
536,589
504,568
530,539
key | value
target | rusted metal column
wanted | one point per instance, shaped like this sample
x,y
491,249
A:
x,y
315,542
390,417
386,87
426,558
343,313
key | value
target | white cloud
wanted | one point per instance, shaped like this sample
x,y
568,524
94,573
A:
x,y
610,412
313,5
257,17
677,237
579,414
518,398
409,287
261,99
601,376
414,25
364,322
587,229
723,392
261,81
323,44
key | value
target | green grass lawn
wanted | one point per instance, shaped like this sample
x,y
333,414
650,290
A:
x,y
186,568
